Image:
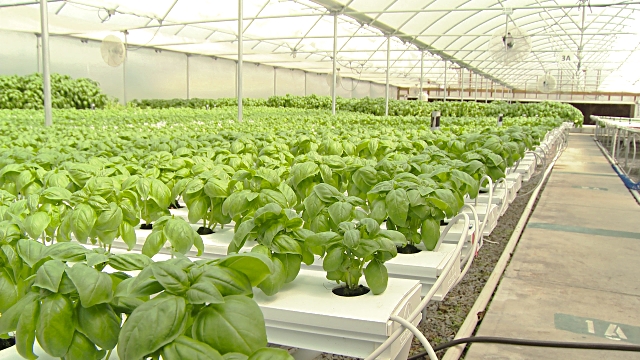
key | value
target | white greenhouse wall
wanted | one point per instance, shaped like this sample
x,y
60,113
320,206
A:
x,y
18,53
361,89
65,53
317,84
164,75
257,81
289,81
152,75
211,78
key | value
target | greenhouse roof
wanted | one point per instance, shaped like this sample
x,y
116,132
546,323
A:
x,y
587,45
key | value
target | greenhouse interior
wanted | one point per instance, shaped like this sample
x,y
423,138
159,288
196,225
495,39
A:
x,y
319,179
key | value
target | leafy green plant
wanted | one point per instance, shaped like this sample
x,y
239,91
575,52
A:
x,y
279,235
357,248
177,232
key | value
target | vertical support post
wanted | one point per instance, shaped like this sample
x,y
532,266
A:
x,y
188,79
334,80
124,70
486,93
445,81
240,53
46,71
386,92
627,144
461,84
421,74
475,89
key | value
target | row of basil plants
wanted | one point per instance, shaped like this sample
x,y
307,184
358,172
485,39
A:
x,y
321,191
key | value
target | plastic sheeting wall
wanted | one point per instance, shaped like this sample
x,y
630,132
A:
x,y
211,78
65,53
18,53
152,75
257,81
289,81
163,74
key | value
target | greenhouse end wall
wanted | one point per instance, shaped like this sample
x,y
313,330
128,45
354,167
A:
x,y
159,74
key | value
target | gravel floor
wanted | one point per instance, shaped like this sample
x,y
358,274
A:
x,y
445,318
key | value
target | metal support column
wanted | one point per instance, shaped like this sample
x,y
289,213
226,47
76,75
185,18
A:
x,y
421,74
445,81
188,79
486,93
475,89
386,93
334,80
461,84
124,70
46,71
240,53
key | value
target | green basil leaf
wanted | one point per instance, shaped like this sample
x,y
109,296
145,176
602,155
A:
x,y
274,282
204,293
49,275
83,349
94,287
255,266
82,220
100,324
129,262
26,329
430,233
377,277
36,223
271,354
172,278
151,326
187,348
237,325
397,206
228,281
55,324
340,212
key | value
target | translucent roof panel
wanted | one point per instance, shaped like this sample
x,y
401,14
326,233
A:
x,y
588,45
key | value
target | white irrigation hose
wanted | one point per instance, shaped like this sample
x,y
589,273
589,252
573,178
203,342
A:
x,y
489,203
472,253
418,334
425,300
505,198
482,301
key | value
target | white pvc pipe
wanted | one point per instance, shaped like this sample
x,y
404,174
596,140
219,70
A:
x,y
46,70
445,81
334,81
240,53
386,93
418,334
421,73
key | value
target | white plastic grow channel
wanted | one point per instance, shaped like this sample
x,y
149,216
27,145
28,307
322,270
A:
x,y
515,179
307,315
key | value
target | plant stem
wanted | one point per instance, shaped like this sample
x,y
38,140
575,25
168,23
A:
x,y
108,354
109,250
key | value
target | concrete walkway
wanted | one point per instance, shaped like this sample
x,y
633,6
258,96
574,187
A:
x,y
575,274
